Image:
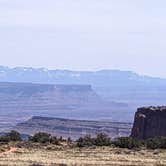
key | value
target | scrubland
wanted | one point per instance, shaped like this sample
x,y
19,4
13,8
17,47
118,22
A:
x,y
64,155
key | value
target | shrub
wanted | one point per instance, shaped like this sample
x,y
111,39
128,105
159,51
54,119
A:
x,y
102,140
11,136
152,143
61,138
54,140
156,143
4,139
69,140
127,142
41,137
85,141
14,136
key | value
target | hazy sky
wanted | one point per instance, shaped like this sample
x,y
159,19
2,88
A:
x,y
84,34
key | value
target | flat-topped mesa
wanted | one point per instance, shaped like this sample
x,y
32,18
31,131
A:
x,y
71,127
32,88
71,87
47,97
149,122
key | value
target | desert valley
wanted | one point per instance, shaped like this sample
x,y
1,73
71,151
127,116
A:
x,y
59,116
82,83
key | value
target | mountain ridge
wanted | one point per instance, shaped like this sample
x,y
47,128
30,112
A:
x,y
113,85
43,75
128,88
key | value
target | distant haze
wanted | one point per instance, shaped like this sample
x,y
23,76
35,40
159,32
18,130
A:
x,y
84,34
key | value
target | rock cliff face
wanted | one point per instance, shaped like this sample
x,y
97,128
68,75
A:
x,y
20,101
149,122
27,96
72,128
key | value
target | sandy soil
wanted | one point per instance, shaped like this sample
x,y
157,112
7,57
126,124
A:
x,y
103,156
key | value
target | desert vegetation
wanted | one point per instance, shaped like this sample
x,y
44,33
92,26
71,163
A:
x,y
44,149
122,142
42,137
11,136
100,139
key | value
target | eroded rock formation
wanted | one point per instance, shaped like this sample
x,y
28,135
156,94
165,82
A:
x,y
149,122
72,128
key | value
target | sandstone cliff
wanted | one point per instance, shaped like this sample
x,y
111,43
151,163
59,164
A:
x,y
149,122
72,128
20,101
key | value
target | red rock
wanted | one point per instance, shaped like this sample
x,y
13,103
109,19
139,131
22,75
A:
x,y
149,122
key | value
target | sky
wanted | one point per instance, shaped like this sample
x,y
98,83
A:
x,y
84,34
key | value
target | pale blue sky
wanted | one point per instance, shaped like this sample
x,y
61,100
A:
x,y
84,34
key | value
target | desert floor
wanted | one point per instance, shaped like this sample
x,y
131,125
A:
x,y
65,156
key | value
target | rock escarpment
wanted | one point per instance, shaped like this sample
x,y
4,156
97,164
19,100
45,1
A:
x,y
72,128
28,96
20,101
149,122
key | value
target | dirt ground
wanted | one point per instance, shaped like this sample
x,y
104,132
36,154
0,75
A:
x,y
96,156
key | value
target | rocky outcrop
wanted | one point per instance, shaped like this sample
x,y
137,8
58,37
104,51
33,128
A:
x,y
73,128
149,122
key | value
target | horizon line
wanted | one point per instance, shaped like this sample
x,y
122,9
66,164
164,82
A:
x,y
81,70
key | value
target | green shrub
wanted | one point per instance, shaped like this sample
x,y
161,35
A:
x,y
41,137
127,142
11,136
102,140
156,143
4,139
85,141
14,136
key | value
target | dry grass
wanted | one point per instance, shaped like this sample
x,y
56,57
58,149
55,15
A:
x,y
105,156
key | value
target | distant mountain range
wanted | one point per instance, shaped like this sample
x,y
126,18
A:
x,y
98,78
107,94
113,85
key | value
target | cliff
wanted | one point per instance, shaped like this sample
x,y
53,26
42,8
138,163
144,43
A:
x,y
20,101
72,128
149,122
33,96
